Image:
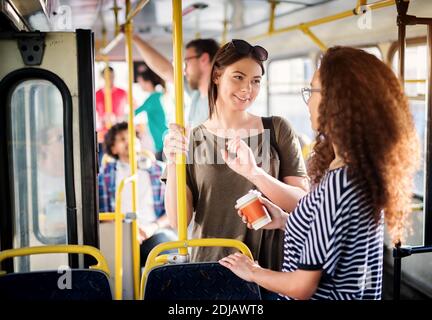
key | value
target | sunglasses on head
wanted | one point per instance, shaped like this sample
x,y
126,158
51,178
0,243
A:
x,y
243,47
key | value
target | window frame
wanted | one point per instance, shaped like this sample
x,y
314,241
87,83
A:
x,y
7,87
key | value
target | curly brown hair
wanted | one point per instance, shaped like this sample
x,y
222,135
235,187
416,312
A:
x,y
365,114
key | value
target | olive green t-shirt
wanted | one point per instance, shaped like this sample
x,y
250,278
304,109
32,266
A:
x,y
215,189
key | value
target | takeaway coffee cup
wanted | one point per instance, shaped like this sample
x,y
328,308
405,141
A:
x,y
253,209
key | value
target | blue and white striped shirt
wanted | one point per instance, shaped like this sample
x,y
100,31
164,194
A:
x,y
333,230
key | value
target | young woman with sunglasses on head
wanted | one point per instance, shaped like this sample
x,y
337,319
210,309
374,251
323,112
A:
x,y
363,164
212,186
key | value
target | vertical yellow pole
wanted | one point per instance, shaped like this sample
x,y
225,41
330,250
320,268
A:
x,y
118,245
108,84
273,5
132,160
225,24
116,23
180,160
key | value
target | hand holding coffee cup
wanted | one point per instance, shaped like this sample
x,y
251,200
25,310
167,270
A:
x,y
278,216
252,210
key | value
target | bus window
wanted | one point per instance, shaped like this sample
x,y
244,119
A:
x,y
286,78
36,152
415,89
375,51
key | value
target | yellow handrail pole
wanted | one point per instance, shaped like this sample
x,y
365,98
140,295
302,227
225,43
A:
x,y
225,24
317,22
118,217
180,159
116,9
63,248
360,3
109,216
154,259
415,80
119,36
108,84
131,14
314,38
132,160
273,5
118,245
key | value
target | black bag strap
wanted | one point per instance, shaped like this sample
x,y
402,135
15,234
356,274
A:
x,y
268,124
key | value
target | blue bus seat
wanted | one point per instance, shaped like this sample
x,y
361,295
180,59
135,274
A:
x,y
43,285
198,281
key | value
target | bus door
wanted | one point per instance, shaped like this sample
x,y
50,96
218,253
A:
x,y
47,145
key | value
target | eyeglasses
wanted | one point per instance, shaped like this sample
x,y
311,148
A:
x,y
192,57
307,93
243,47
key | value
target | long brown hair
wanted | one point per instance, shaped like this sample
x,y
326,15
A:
x,y
225,56
366,115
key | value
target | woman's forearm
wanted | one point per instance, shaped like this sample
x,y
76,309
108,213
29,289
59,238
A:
x,y
299,284
284,195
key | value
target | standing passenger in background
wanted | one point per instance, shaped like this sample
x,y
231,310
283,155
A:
x,y
148,81
104,119
198,59
362,165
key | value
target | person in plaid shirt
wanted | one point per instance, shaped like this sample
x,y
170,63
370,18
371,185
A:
x,y
153,223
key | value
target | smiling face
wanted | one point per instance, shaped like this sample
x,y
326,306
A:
x,y
239,84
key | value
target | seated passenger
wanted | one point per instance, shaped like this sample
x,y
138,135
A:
x,y
152,221
362,164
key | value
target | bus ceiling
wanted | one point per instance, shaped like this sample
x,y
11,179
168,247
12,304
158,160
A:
x,y
223,20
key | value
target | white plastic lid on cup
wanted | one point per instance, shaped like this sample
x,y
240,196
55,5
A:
x,y
250,196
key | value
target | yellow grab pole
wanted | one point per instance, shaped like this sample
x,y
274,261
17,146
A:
x,y
314,38
273,5
118,245
132,13
109,216
180,159
116,9
317,22
415,80
70,248
118,236
132,160
360,3
108,84
225,24
154,259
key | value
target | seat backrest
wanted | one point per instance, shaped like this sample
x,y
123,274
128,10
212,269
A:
x,y
198,281
49,285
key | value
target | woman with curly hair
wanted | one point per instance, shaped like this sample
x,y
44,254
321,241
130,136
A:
x,y
362,167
